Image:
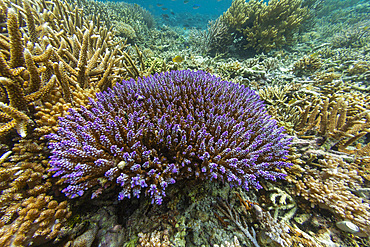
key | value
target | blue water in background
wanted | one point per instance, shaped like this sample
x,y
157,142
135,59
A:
x,y
207,7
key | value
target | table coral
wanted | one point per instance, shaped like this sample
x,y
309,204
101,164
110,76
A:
x,y
149,133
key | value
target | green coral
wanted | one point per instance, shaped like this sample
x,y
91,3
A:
x,y
261,26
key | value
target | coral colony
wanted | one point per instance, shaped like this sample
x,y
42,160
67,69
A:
x,y
144,135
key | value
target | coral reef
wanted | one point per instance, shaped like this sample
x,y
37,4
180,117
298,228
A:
x,y
215,39
50,61
156,116
55,56
139,20
263,26
330,188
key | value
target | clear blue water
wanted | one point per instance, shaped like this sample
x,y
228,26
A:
x,y
206,7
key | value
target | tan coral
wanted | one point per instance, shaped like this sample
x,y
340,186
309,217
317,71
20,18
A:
x,y
265,26
154,239
24,199
340,117
19,122
329,188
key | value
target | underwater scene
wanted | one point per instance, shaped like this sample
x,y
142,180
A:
x,y
183,123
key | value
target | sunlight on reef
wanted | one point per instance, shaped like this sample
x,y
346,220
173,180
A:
x,y
137,125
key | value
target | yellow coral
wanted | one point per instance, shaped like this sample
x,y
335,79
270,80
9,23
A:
x,y
265,26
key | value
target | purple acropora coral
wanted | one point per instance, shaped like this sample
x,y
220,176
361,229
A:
x,y
147,134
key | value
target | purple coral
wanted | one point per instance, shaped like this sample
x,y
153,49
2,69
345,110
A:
x,y
144,135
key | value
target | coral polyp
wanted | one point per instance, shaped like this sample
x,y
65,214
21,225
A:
x,y
147,134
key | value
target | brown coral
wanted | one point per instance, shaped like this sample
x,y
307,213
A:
x,y
329,188
55,62
340,117
265,26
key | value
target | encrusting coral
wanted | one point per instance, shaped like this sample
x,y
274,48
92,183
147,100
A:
x,y
154,239
147,134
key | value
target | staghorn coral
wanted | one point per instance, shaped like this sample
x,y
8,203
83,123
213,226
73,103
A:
x,y
330,188
307,65
342,118
58,49
215,39
281,105
263,26
22,87
148,134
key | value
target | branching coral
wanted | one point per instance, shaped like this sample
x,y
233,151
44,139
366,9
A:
x,y
281,105
149,134
53,54
340,118
351,37
215,39
54,62
27,214
265,26
307,65
329,188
